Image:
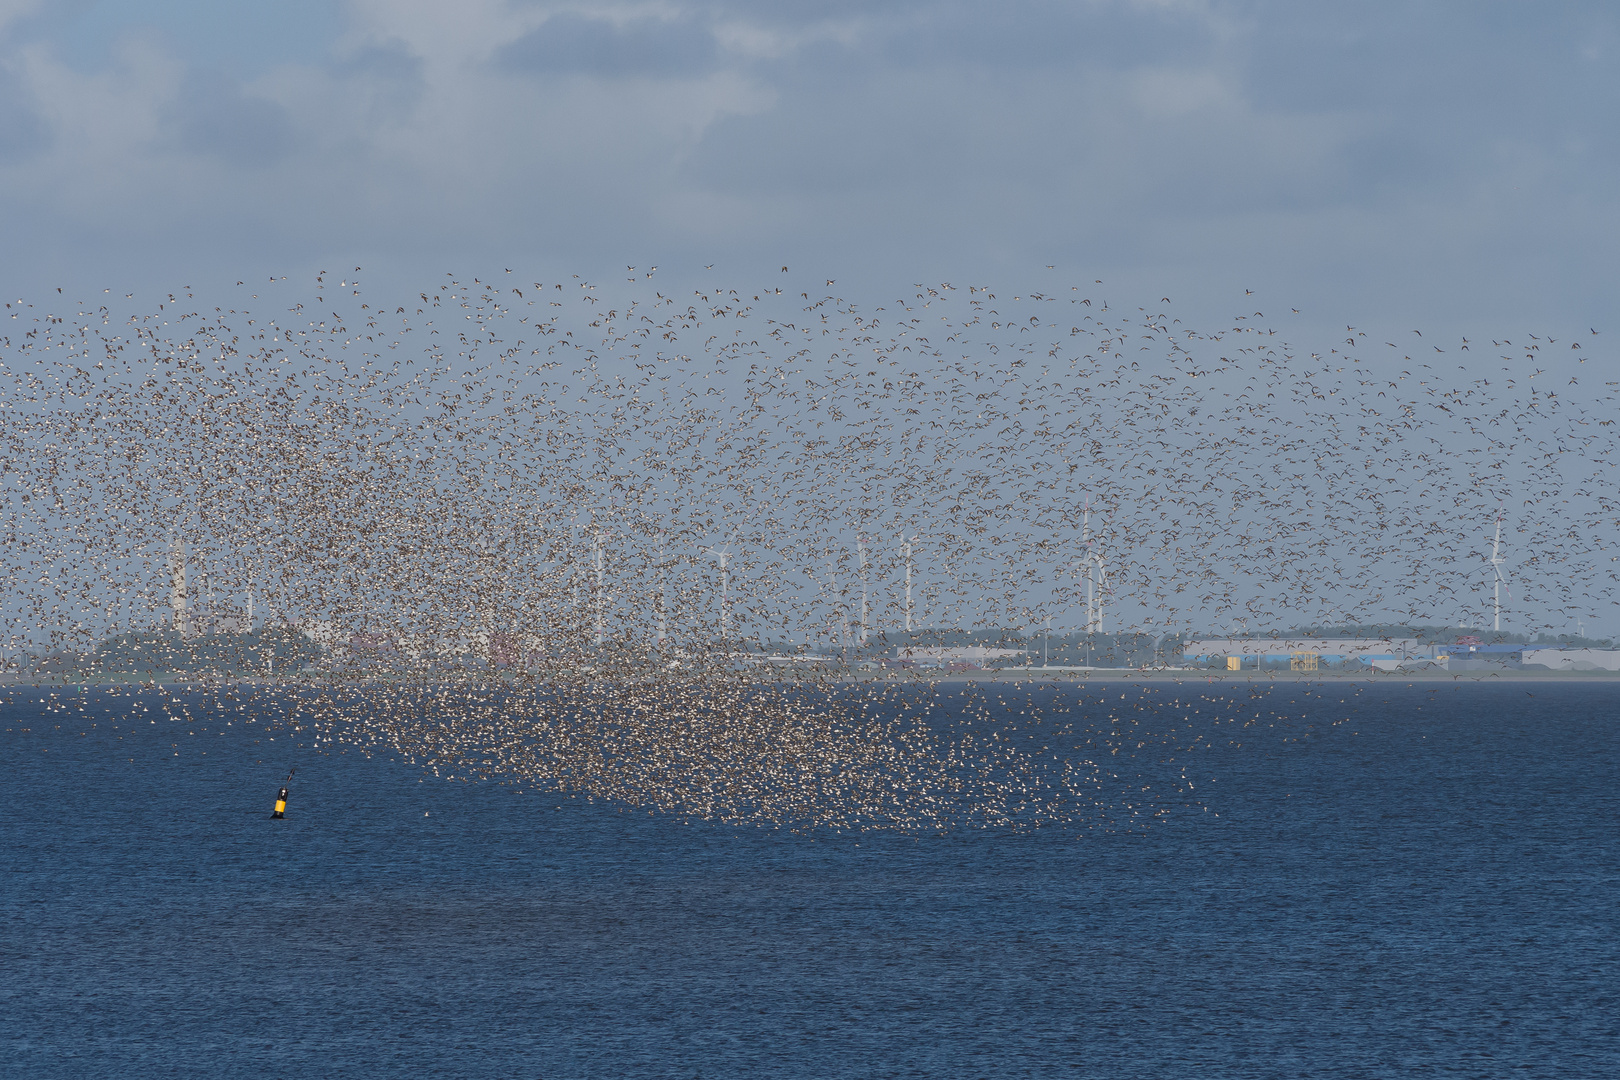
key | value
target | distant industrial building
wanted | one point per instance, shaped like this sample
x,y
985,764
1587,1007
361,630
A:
x,y
969,655
1572,659
1469,653
1309,654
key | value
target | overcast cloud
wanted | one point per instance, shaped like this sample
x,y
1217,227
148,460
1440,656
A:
x,y
1451,165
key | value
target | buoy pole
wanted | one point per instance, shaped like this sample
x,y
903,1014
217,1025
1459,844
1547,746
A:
x,y
281,799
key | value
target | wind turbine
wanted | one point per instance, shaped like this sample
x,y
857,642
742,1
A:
x,y
663,592
573,572
1498,582
179,595
601,620
1096,576
860,545
908,544
724,555
1496,570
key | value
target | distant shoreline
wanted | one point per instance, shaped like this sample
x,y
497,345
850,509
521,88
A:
x,y
1005,675
1215,675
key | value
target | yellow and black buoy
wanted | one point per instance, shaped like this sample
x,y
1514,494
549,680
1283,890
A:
x,y
281,797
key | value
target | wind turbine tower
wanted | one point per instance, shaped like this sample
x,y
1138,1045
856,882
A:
x,y
177,587
724,556
1096,577
663,592
908,584
601,619
860,544
1496,569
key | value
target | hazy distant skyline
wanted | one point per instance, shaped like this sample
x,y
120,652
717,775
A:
x,y
1442,165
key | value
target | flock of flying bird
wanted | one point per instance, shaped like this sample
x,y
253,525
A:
x,y
539,528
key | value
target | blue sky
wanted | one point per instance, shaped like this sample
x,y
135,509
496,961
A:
x,y
1445,165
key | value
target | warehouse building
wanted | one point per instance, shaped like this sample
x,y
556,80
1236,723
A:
x,y
1308,654
1573,659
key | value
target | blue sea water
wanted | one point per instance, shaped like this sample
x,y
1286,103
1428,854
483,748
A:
x,y
1428,889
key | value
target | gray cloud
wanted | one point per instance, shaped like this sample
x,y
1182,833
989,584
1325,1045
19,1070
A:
x,y
213,116
22,130
392,79
1417,161
575,44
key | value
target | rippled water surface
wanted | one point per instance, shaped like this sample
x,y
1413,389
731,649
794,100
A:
x,y
1432,888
